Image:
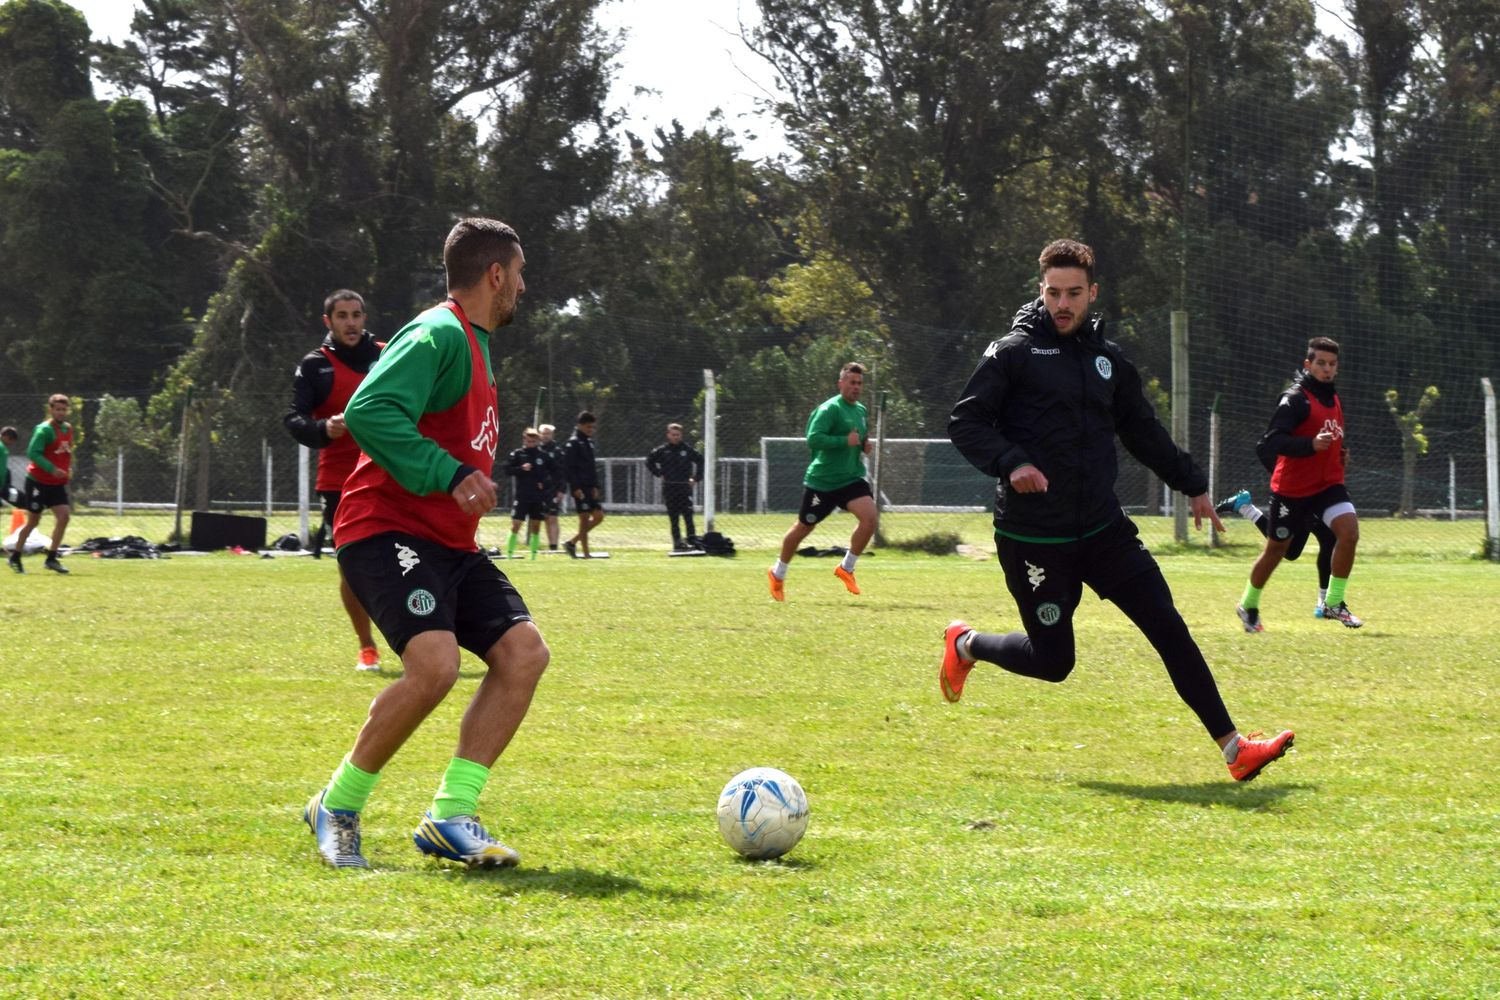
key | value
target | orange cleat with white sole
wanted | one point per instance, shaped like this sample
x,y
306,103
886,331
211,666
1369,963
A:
x,y
1255,754
778,587
369,659
955,668
848,578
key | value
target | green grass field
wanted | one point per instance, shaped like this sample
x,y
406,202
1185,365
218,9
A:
x,y
165,721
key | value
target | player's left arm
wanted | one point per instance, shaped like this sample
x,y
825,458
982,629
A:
x,y
1144,436
426,371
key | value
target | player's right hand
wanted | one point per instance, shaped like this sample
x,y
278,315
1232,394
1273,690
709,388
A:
x,y
1323,441
334,425
475,493
1028,479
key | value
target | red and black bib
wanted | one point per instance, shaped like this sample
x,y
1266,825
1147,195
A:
x,y
59,453
1303,476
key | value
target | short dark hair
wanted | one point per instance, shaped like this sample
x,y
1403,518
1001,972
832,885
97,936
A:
x,y
585,417
1322,344
473,245
852,368
1067,253
8,433
342,295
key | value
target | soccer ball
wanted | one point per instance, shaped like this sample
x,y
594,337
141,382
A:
x,y
762,812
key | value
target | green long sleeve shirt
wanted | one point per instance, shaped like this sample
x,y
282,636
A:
x,y
425,368
835,463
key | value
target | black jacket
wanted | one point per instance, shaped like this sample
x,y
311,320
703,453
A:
x,y
313,381
578,462
1291,409
1058,403
535,484
675,463
557,482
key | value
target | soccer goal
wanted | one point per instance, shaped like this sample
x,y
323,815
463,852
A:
x,y
910,475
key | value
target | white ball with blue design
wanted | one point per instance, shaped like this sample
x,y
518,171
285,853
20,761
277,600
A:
x,y
762,812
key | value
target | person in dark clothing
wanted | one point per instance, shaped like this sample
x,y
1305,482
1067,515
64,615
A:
x,y
1041,414
583,483
1242,504
531,468
8,436
557,486
679,466
1304,445
324,381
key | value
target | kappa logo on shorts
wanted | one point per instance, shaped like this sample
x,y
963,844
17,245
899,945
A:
x,y
421,602
407,557
1035,575
1103,367
1049,613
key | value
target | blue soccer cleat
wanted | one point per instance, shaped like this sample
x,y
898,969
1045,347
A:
x,y
1233,504
462,839
337,833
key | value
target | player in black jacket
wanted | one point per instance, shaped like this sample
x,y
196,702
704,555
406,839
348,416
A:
x,y
531,468
557,488
679,466
583,483
1041,414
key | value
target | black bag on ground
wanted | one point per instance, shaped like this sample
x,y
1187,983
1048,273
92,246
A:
x,y
716,544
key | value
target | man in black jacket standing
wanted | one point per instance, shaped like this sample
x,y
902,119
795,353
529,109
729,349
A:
x,y
583,483
1040,414
679,466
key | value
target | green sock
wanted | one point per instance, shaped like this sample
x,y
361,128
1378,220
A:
x,y
536,543
510,546
1336,587
458,795
349,788
1252,596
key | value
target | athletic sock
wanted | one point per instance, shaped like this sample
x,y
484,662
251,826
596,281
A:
x,y
1251,598
1231,750
1322,595
1251,513
1336,587
510,546
849,560
536,544
779,570
961,647
349,788
458,795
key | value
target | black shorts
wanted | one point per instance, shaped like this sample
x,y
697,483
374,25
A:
x,y
552,506
678,497
818,504
1046,579
410,585
1292,516
588,503
37,497
528,510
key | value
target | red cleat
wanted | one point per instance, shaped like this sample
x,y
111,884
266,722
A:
x,y
955,668
1255,754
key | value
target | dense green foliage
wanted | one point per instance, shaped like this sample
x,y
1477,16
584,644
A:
x,y
1226,159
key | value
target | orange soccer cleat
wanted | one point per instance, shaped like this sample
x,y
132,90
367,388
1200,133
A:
x,y
955,669
1255,754
848,578
778,592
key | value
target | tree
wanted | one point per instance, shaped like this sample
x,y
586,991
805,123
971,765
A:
x,y
1413,442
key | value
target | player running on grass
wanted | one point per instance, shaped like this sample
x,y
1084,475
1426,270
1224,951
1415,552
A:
x,y
1306,436
838,434
426,420
321,387
47,476
1041,414
1243,505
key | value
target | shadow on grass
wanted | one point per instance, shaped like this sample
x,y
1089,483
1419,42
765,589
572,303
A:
x,y
577,882
1208,793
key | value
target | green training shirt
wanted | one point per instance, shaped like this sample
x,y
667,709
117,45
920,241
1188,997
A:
x,y
834,464
424,369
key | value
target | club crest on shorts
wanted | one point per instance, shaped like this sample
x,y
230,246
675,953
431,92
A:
x,y
421,602
1103,367
1049,613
